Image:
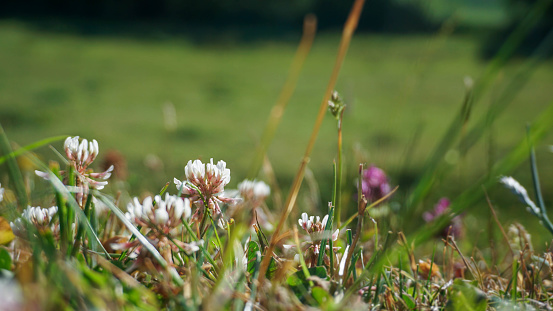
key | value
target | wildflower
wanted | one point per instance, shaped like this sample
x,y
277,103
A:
x,y
374,184
80,156
1,193
41,218
455,228
163,220
204,186
254,191
316,230
520,192
166,216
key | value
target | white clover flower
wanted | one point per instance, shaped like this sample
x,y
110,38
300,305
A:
x,y
316,228
163,220
1,193
218,176
515,187
195,171
209,178
205,186
166,215
41,218
81,155
253,190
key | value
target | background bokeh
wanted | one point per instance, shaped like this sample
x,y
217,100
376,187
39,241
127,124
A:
x,y
108,70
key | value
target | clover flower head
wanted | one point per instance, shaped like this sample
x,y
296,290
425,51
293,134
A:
x,y
41,218
217,175
253,190
209,179
84,153
195,171
455,227
374,184
80,156
205,186
166,215
316,228
440,208
1,193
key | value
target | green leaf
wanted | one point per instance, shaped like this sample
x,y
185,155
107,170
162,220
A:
x,y
251,252
464,296
5,260
271,270
321,296
302,288
299,278
409,301
260,235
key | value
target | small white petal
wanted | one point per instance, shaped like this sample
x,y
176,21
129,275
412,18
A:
x,y
161,216
335,235
325,219
147,206
187,209
178,208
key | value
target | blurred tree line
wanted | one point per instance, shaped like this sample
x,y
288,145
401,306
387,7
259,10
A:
x,y
259,18
540,34
378,15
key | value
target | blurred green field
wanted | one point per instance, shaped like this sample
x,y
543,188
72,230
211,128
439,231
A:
x,y
401,91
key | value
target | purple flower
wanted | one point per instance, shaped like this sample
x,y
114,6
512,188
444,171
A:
x,y
374,184
455,227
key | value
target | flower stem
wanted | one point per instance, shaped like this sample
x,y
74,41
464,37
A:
x,y
338,202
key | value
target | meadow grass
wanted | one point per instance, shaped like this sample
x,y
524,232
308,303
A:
x,y
394,86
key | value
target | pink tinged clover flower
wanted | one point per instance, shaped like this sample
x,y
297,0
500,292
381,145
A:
x,y
204,185
374,184
80,156
455,228
316,230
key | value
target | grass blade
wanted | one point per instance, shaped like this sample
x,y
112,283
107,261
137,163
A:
x,y
31,146
143,240
309,29
13,170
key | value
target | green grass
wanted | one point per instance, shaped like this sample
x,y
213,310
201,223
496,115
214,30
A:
x,y
113,88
